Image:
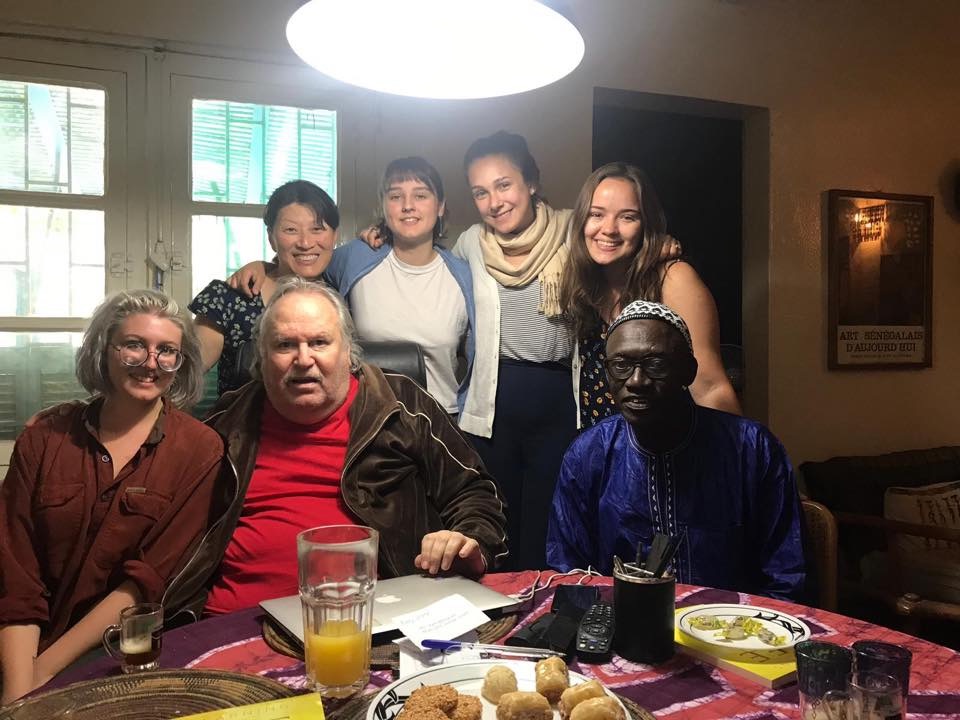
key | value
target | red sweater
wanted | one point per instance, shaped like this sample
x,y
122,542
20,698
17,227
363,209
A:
x,y
295,486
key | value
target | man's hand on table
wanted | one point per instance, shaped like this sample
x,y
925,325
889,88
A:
x,y
446,550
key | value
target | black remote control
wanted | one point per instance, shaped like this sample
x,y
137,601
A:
x,y
595,634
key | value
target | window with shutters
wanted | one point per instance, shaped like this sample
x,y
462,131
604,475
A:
x,y
53,206
241,152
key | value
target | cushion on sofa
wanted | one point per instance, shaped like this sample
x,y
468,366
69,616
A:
x,y
928,566
937,505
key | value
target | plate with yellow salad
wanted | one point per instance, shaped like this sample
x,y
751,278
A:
x,y
743,627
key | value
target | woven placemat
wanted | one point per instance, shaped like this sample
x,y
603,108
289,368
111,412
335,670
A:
x,y
492,631
383,655
157,695
356,708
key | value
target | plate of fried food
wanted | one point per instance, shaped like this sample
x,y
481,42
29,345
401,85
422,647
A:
x,y
497,690
744,627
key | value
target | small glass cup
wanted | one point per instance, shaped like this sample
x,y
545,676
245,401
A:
x,y
140,633
886,658
823,673
875,696
337,567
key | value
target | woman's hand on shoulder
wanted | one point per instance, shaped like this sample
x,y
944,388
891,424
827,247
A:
x,y
672,248
371,236
249,279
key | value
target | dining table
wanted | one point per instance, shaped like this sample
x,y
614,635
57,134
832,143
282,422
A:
x,y
682,688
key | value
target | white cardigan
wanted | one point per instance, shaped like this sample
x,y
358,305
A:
x,y
477,414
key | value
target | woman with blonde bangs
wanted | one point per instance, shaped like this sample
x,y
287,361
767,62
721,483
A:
x,y
103,501
619,255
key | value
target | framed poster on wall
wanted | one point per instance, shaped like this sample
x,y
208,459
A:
x,y
879,294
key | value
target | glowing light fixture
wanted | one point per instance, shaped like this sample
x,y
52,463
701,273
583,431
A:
x,y
453,49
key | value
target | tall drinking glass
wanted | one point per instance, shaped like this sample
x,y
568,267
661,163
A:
x,y
338,575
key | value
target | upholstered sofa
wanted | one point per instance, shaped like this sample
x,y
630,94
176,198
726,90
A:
x,y
899,528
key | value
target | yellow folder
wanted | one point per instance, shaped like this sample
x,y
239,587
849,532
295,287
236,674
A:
x,y
301,707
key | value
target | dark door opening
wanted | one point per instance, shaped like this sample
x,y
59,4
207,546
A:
x,y
696,165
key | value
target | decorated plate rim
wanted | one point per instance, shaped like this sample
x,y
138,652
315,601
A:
x,y
800,632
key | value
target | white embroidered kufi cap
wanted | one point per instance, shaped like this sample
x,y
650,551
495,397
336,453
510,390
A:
x,y
646,310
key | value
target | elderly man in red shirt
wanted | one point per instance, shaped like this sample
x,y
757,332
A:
x,y
322,438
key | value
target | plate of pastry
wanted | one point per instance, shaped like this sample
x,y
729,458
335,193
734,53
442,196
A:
x,y
497,690
744,627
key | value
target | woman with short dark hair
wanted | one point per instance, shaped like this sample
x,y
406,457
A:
x,y
101,504
301,221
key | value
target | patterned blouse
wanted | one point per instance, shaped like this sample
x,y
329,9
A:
x,y
235,315
596,402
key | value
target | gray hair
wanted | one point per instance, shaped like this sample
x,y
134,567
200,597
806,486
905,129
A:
x,y
297,284
187,386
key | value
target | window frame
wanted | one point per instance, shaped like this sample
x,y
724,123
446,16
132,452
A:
x,y
147,199
114,201
242,82
122,75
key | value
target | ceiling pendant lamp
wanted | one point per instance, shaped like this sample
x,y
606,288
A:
x,y
451,49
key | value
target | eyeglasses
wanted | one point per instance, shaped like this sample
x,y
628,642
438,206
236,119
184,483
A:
x,y
655,367
134,354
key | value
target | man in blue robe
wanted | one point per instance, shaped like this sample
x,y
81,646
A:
x,y
721,482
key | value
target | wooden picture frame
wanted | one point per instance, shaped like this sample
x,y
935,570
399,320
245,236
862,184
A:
x,y
880,278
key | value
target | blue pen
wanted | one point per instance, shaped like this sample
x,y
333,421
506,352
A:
x,y
482,647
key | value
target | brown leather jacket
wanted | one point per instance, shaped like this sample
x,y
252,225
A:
x,y
408,471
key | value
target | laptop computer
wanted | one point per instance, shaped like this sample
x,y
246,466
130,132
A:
x,y
395,597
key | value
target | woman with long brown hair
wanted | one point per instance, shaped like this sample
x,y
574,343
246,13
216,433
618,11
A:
x,y
618,236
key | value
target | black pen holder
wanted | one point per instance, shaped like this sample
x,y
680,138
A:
x,y
644,615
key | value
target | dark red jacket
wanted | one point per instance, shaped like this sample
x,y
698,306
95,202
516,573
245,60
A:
x,y
70,532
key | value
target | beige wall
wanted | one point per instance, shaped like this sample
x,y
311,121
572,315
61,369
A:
x,y
862,94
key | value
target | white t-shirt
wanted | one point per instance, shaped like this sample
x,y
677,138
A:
x,y
422,304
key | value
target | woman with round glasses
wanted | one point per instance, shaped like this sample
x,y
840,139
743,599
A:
x,y
101,504
617,256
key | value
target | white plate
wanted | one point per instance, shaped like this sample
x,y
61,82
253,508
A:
x,y
466,679
783,625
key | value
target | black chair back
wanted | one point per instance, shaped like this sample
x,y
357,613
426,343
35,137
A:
x,y
402,357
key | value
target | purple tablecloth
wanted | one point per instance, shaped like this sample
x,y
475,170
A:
x,y
681,689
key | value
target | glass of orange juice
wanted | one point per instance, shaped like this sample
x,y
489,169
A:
x,y
338,575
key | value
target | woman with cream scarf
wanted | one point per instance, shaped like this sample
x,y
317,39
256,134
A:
x,y
521,410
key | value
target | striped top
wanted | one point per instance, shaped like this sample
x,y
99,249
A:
x,y
525,333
